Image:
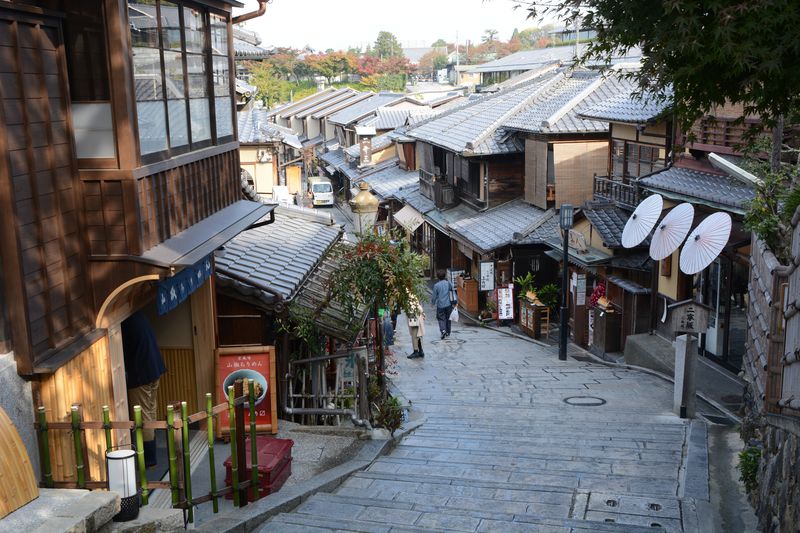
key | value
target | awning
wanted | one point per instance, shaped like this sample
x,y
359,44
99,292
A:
x,y
330,169
628,285
192,244
409,218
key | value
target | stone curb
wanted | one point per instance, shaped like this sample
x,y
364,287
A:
x,y
255,514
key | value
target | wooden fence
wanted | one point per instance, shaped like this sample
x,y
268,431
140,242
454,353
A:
x,y
180,482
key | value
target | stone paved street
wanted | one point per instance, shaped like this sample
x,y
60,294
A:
x,y
514,440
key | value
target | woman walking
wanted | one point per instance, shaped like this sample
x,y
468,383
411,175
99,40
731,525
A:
x,y
416,328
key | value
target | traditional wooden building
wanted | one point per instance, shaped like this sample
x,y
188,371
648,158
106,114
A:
x,y
119,176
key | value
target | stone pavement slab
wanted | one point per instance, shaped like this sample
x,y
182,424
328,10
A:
x,y
516,440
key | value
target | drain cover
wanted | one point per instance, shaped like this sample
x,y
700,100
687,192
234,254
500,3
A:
x,y
584,401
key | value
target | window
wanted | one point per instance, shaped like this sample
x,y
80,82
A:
x,y
634,160
182,76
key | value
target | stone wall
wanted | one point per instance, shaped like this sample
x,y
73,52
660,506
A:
x,y
16,401
777,499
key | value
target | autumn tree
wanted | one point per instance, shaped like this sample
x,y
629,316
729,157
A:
x,y
331,65
271,87
433,61
387,45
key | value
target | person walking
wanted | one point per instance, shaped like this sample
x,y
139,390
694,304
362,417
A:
x,y
416,328
441,299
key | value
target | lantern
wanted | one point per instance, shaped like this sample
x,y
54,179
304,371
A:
x,y
121,470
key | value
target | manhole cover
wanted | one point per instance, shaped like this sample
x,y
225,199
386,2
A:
x,y
584,401
449,341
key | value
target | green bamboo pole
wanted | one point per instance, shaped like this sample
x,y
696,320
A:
x,y
44,440
107,427
137,424
187,459
173,466
234,457
253,448
76,436
211,464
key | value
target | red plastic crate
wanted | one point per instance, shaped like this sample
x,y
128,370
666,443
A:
x,y
274,464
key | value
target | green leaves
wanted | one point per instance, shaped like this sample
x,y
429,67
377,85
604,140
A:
x,y
378,270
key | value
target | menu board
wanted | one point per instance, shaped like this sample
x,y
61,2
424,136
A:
x,y
255,363
505,303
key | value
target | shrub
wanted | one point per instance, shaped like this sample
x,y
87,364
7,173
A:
x,y
749,459
389,414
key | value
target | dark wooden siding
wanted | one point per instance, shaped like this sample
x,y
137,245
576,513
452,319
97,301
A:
x,y
506,179
45,275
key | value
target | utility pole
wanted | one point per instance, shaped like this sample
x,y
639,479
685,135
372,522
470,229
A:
x,y
458,62
577,31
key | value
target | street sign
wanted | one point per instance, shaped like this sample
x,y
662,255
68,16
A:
x,y
505,303
689,316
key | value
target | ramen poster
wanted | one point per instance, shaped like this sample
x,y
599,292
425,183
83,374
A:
x,y
255,363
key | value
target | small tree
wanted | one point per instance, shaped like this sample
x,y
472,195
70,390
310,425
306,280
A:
x,y
272,88
380,273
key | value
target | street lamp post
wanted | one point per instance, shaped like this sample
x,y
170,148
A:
x,y
365,213
566,220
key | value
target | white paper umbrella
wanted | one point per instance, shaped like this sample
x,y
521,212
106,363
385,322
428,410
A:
x,y
671,231
705,243
638,227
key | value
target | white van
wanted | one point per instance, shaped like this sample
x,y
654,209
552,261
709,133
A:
x,y
321,190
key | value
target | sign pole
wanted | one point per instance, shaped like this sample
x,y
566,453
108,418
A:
x,y
690,318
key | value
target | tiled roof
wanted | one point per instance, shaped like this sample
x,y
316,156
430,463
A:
x,y
342,95
529,59
244,50
355,173
540,231
299,110
338,106
475,127
330,317
388,182
626,108
609,221
701,187
515,80
413,197
558,103
363,108
496,227
378,143
279,255
256,128
288,108
334,158
242,87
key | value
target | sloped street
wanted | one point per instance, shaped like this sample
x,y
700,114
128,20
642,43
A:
x,y
515,440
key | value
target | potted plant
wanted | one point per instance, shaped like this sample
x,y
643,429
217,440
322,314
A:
x,y
489,312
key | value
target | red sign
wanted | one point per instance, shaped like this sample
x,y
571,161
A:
x,y
255,363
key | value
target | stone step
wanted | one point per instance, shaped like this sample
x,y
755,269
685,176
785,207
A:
x,y
77,511
375,515
150,520
594,479
537,434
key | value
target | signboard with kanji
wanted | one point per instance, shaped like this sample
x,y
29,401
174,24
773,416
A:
x,y
487,276
505,303
249,362
689,316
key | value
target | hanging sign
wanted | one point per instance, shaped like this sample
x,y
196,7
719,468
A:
x,y
580,296
174,290
487,276
249,362
505,303
689,316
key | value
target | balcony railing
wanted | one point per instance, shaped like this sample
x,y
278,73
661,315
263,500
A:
x,y
437,189
616,191
721,135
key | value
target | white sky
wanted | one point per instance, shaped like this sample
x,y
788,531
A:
x,y
338,24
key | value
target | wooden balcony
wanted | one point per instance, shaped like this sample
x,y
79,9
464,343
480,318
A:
x,y
720,135
626,194
435,188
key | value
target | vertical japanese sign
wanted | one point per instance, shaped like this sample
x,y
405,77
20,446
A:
x,y
580,296
505,303
487,276
255,363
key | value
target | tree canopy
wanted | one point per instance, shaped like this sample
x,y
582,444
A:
x,y
710,52
387,45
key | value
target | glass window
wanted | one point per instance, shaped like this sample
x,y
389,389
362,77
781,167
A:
x,y
194,29
201,119
178,57
224,114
